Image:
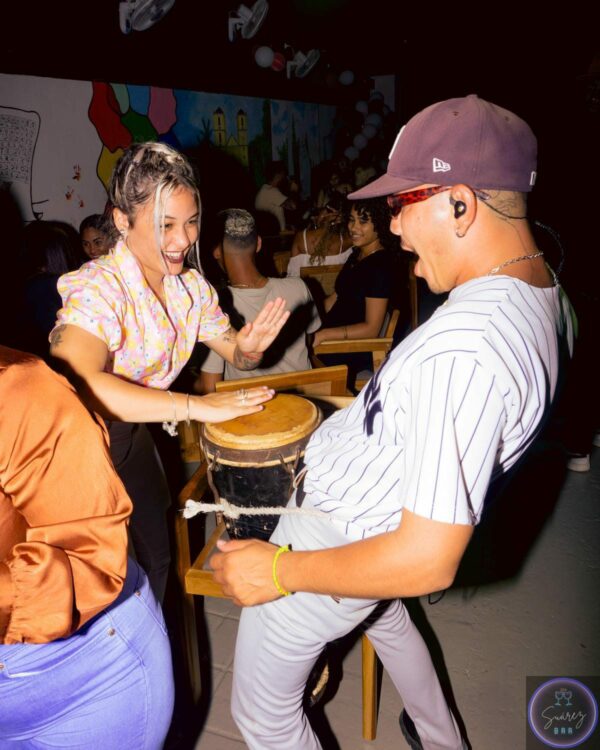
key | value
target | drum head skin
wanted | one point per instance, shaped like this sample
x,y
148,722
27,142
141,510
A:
x,y
285,419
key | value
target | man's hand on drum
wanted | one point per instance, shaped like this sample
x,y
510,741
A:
x,y
244,568
219,407
260,334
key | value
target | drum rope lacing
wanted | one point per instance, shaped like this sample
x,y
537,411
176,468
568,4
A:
x,y
193,507
229,510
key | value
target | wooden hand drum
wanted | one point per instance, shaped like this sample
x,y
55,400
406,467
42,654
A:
x,y
252,459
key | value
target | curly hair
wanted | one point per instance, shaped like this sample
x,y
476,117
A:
x,y
377,211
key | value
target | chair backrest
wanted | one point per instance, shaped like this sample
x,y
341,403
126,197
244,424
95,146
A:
x,y
389,324
324,276
321,381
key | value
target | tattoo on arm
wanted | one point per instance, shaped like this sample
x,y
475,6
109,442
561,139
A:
x,y
245,360
56,337
230,336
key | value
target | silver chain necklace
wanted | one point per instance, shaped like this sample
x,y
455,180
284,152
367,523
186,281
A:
x,y
495,269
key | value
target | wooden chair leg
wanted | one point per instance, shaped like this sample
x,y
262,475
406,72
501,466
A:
x,y
369,689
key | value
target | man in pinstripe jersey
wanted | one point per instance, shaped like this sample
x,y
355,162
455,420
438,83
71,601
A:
x,y
402,475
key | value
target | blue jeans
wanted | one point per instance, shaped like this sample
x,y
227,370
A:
x,y
108,686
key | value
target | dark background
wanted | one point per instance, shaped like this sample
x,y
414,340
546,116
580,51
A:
x,y
529,57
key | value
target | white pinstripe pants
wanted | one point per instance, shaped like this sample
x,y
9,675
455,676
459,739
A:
x,y
278,644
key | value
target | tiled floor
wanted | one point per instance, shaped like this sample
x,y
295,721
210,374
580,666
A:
x,y
544,620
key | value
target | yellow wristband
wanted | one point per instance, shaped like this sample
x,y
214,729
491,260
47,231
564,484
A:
x,y
278,586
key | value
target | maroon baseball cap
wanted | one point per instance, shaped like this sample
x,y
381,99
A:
x,y
464,140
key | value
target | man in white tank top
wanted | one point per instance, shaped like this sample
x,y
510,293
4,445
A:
x,y
402,475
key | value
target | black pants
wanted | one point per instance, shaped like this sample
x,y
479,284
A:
x,y
140,469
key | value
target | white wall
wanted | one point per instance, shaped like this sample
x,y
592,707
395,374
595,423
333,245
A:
x,y
43,173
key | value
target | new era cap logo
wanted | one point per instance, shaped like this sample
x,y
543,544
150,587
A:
x,y
440,166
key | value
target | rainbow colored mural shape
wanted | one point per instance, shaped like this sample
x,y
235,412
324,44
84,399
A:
x,y
123,115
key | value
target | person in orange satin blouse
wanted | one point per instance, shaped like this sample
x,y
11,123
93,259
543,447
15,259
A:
x,y
84,652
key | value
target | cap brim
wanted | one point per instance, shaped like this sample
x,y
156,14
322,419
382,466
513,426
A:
x,y
384,185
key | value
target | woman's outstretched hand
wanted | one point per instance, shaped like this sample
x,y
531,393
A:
x,y
219,407
260,334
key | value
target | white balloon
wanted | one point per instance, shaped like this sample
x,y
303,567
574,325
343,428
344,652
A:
x,y
351,153
264,57
374,119
346,78
359,141
369,131
362,107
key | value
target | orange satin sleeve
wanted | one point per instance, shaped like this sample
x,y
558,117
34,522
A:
x,y
63,510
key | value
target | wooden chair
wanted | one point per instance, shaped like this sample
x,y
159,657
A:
x,y
322,381
189,442
378,347
197,580
320,278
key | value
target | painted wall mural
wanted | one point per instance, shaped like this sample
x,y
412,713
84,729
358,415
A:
x,y
60,139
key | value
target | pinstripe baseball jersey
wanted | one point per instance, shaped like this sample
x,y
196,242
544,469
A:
x,y
454,406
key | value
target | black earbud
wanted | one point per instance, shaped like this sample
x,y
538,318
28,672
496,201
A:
x,y
459,209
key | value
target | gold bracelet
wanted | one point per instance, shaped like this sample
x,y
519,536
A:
x,y
278,586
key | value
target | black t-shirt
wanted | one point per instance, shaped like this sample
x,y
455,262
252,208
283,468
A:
x,y
374,276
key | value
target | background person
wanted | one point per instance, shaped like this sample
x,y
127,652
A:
x,y
247,293
328,243
48,250
84,654
404,473
270,197
95,236
365,286
128,325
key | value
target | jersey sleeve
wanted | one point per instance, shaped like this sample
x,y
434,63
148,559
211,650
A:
x,y
453,430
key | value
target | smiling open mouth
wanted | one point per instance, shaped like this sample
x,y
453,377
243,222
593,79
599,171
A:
x,y
174,257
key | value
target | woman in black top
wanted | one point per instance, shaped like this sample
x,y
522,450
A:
x,y
366,287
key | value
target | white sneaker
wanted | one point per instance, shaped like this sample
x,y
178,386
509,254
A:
x,y
578,462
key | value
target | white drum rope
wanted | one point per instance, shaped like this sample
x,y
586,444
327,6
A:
x,y
193,507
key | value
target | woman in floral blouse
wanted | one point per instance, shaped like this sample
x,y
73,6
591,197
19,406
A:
x,y
128,325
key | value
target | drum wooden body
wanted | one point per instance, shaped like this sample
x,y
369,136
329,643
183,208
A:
x,y
252,459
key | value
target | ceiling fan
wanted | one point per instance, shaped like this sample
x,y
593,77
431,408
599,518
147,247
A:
x,y
139,15
302,64
247,20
